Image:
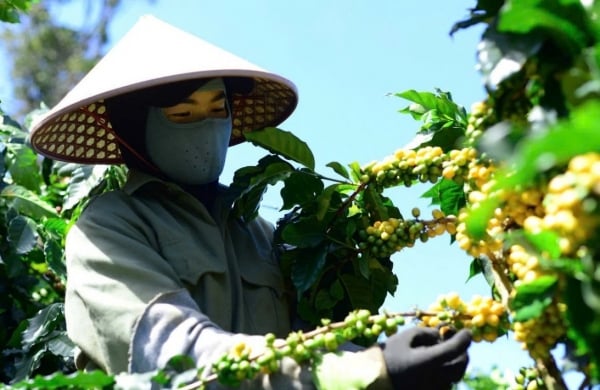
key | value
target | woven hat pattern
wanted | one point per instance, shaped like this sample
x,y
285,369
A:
x,y
86,135
151,54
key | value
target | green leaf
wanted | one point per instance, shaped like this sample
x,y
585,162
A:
x,y
483,12
325,301
475,268
307,267
545,242
501,55
28,364
180,363
532,298
54,253
339,169
478,217
42,324
558,145
441,102
306,232
55,226
85,178
250,183
283,143
446,138
564,21
374,202
448,194
583,324
324,200
61,345
300,188
247,206
9,10
355,171
337,290
360,291
363,267
78,380
22,234
24,169
538,153
28,203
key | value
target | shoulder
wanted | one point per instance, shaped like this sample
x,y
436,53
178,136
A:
x,y
107,205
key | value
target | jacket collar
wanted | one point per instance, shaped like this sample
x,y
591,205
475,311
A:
x,y
137,179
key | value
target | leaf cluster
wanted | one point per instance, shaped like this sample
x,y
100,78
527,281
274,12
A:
x,y
39,200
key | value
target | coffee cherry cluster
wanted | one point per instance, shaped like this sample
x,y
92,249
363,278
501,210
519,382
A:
x,y
539,335
571,202
241,363
515,208
528,378
406,166
488,246
456,167
486,318
384,238
236,366
480,118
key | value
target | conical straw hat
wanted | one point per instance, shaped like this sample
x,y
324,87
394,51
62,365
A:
x,y
152,53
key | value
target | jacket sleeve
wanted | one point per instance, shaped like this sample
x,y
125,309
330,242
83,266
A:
x,y
173,325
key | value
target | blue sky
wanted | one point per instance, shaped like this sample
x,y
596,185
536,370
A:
x,y
346,58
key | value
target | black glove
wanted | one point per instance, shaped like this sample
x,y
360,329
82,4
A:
x,y
419,359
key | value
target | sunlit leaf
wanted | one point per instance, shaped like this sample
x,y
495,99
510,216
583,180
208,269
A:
x,y
283,143
61,345
27,202
500,55
24,169
85,178
54,253
42,324
339,169
22,234
545,242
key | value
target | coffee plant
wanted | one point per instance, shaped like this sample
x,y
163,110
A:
x,y
514,182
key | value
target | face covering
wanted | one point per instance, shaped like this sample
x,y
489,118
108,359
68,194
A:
x,y
188,153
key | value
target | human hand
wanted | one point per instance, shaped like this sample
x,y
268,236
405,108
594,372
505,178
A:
x,y
420,359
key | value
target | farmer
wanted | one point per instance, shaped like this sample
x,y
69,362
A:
x,y
160,268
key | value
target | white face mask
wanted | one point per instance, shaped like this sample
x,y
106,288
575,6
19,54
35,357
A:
x,y
188,153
